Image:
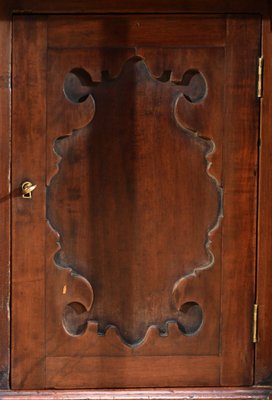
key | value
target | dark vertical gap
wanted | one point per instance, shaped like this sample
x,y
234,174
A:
x,y
45,190
11,38
258,193
222,183
222,186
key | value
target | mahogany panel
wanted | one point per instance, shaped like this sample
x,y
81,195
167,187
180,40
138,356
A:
x,y
124,31
264,294
194,116
137,241
28,267
62,291
240,199
73,6
5,127
111,370
121,371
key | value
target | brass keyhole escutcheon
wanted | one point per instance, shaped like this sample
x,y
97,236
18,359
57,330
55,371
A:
x,y
27,189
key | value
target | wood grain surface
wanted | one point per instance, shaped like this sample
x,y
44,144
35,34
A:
x,y
135,31
129,173
72,6
239,180
28,216
200,289
263,363
126,160
98,358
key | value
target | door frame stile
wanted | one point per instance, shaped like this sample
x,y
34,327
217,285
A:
x,y
263,356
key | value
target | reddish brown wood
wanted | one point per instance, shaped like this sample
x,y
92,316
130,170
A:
x,y
28,244
5,114
239,182
124,31
115,372
264,283
92,360
96,60
145,394
137,225
264,297
263,352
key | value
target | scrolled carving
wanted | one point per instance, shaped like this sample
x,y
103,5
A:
x,y
134,201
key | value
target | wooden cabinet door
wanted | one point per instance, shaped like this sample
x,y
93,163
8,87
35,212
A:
x,y
133,262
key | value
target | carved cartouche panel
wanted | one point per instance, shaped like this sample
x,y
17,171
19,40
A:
x,y
133,200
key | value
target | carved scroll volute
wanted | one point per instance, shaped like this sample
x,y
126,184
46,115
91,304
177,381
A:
x,y
133,202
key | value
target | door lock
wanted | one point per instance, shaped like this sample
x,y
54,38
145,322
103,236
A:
x,y
27,189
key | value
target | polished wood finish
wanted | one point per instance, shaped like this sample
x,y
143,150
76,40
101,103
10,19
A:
x,y
119,372
121,31
116,182
263,362
29,138
130,172
239,176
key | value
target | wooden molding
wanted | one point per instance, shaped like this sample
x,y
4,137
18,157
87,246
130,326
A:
x,y
134,6
147,394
